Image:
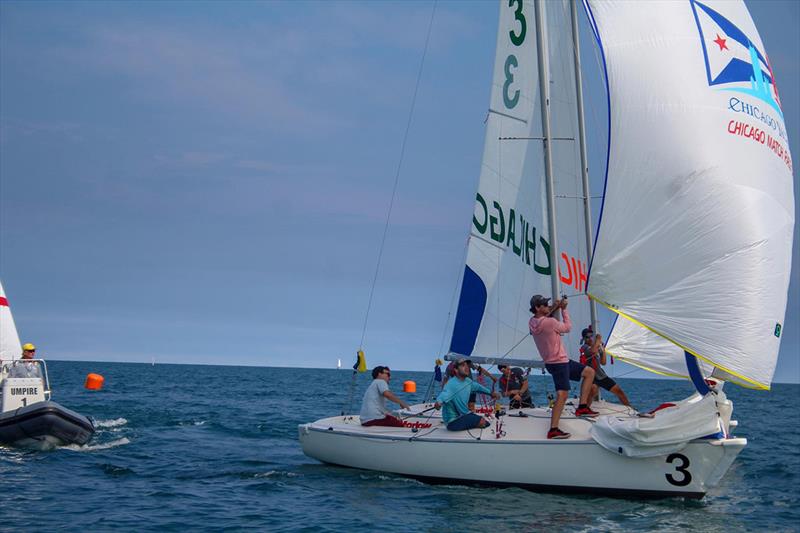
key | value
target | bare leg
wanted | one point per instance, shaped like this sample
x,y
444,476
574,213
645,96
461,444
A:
x,y
586,384
593,395
617,390
561,400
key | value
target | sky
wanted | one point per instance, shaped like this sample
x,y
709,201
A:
x,y
208,182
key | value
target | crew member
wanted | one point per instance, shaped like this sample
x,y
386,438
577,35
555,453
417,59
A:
x,y
373,406
514,385
593,355
547,332
455,396
450,372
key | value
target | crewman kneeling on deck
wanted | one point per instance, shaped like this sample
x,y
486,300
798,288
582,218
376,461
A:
x,y
514,385
455,396
373,406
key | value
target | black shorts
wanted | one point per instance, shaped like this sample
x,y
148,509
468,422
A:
x,y
607,383
564,372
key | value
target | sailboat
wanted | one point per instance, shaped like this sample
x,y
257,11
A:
x,y
692,251
28,416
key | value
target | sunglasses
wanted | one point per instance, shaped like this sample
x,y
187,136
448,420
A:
x,y
31,351
387,373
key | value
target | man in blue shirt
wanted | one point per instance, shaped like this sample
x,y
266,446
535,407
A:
x,y
455,396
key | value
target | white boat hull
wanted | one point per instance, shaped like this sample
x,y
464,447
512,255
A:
x,y
521,458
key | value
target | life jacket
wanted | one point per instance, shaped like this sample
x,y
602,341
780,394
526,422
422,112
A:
x,y
586,358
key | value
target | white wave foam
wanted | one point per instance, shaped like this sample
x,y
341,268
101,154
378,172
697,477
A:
x,y
99,446
279,473
110,423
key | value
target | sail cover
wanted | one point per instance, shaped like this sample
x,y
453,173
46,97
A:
x,y
10,348
695,235
508,252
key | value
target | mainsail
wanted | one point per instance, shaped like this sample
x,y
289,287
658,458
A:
x,y
695,237
509,246
10,347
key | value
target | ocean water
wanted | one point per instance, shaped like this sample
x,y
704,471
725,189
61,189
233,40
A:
x,y
213,448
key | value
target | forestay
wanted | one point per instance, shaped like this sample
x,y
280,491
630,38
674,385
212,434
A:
x,y
508,251
695,235
10,347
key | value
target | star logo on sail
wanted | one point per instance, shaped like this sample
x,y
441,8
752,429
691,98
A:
x,y
733,61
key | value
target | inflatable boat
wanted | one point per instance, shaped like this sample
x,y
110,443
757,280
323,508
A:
x,y
28,417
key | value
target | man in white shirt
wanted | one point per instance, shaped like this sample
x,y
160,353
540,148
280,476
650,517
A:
x,y
373,406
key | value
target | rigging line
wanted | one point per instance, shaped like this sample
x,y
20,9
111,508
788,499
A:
x,y
397,175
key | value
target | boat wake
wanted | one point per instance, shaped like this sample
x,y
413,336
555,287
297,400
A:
x,y
99,446
277,473
117,422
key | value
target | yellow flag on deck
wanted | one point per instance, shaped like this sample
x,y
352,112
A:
x,y
361,362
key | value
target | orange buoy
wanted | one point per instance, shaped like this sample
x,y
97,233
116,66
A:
x,y
409,386
94,381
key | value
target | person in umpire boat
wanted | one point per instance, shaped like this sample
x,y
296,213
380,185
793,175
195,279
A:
x,y
25,367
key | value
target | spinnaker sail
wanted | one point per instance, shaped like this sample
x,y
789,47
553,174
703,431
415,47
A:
x,y
695,236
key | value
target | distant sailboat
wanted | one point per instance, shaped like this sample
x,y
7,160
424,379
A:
x,y
338,364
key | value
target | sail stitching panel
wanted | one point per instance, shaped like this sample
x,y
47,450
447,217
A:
x,y
758,385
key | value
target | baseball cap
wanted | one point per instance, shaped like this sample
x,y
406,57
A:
x,y
537,300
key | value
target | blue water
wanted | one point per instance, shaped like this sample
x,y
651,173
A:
x,y
215,448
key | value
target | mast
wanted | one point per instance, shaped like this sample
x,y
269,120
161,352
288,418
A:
x,y
587,206
544,90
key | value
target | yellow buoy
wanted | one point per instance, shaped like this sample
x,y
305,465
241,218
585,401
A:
x,y
409,386
94,382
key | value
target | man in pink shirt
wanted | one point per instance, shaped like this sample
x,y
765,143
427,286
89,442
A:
x,y
547,332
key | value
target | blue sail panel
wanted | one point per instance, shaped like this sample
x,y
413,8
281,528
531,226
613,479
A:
x,y
471,305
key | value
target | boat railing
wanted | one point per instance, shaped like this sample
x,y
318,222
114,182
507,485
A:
x,y
6,366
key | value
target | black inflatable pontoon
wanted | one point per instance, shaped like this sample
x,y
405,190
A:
x,y
43,425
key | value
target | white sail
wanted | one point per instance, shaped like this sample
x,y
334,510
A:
x,y
10,347
696,228
641,347
507,257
